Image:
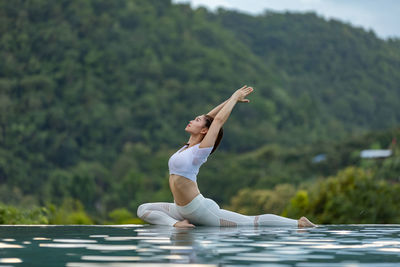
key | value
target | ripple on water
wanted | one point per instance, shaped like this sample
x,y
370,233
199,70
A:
x,y
254,258
6,245
148,251
10,260
120,264
176,247
125,238
61,245
41,238
111,258
111,247
74,240
231,250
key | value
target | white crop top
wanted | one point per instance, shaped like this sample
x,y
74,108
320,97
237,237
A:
x,y
187,163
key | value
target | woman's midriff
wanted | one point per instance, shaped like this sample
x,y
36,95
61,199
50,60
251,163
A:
x,y
183,189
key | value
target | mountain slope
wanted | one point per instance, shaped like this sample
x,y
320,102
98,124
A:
x,y
82,82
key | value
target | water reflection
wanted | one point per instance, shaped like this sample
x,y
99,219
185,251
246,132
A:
x,y
345,245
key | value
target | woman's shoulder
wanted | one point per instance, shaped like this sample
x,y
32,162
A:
x,y
196,148
203,150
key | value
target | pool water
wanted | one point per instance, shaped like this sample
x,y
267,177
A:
x,y
146,245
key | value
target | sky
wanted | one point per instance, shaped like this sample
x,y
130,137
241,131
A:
x,y
381,16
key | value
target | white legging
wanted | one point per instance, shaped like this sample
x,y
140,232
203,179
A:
x,y
204,211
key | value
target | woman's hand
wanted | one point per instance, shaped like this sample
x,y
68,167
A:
x,y
242,93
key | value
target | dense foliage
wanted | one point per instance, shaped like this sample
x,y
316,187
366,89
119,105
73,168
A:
x,y
94,96
353,196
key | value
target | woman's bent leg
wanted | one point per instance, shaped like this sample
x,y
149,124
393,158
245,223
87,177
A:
x,y
160,213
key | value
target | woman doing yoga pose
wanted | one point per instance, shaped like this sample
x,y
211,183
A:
x,y
190,207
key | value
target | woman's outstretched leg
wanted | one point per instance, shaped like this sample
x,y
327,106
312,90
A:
x,y
206,212
161,213
228,218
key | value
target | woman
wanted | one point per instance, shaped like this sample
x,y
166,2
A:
x,y
190,207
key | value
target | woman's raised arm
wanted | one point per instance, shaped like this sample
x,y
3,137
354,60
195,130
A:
x,y
215,110
223,114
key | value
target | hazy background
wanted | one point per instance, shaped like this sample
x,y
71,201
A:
x,y
381,16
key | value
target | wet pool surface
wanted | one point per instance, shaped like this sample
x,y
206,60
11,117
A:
x,y
138,245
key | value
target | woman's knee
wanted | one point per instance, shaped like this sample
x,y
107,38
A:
x,y
142,209
211,204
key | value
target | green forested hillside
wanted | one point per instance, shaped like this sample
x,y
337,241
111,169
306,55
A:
x,y
345,79
95,94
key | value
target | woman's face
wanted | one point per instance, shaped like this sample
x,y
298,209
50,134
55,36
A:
x,y
197,125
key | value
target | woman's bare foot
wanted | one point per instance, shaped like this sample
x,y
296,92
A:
x,y
304,222
184,224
